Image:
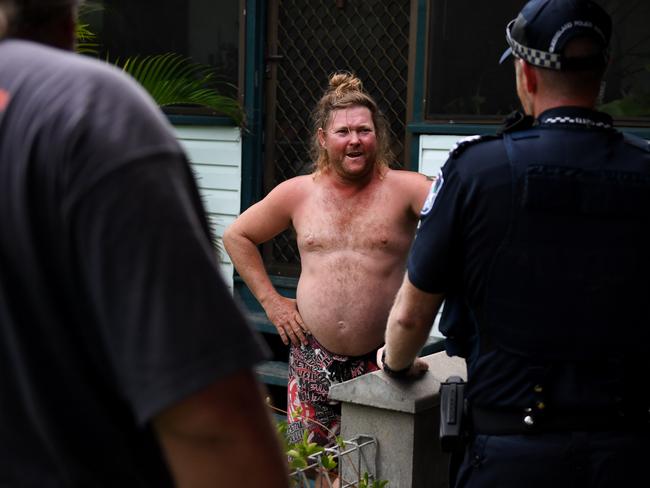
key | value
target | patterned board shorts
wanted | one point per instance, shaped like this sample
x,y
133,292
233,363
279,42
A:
x,y
312,370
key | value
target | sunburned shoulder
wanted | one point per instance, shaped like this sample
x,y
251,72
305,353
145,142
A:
x,y
405,179
293,190
408,187
297,184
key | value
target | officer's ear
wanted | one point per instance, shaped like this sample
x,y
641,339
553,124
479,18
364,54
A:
x,y
531,77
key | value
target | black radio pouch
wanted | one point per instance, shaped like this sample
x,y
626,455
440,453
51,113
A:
x,y
452,408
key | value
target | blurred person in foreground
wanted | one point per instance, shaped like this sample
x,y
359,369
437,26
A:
x,y
123,359
543,230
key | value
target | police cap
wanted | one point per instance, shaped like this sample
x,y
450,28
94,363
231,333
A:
x,y
543,28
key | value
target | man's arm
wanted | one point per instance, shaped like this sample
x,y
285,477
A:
x,y
420,185
259,224
409,323
210,438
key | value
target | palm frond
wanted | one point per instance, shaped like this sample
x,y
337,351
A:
x,y
86,40
172,79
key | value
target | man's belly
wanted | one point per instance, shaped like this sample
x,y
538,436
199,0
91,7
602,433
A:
x,y
347,311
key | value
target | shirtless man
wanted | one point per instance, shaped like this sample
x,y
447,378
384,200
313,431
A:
x,y
355,220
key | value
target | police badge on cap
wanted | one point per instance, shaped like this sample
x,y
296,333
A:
x,y
543,28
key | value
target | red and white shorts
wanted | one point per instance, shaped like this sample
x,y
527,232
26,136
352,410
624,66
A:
x,y
312,370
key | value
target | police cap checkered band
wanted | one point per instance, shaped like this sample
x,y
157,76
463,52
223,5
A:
x,y
543,29
533,56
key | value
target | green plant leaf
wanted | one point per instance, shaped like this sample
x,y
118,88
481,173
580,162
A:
x,y
328,462
172,79
86,41
311,448
297,463
293,453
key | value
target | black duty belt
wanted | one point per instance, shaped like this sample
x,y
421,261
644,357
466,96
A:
x,y
505,422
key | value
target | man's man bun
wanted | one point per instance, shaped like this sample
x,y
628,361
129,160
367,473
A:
x,y
342,82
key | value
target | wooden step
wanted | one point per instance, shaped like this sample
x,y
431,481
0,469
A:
x,y
261,323
273,373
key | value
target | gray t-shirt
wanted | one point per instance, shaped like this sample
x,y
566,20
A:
x,y
111,303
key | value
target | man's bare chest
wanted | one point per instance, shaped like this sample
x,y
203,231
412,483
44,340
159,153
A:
x,y
363,226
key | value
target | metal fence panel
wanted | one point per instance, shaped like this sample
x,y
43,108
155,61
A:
x,y
314,39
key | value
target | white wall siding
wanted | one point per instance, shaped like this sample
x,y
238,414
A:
x,y
215,154
434,151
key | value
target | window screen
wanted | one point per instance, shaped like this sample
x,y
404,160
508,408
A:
x,y
207,31
465,82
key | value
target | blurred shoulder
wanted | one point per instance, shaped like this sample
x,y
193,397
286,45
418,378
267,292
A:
x,y
59,63
487,146
474,145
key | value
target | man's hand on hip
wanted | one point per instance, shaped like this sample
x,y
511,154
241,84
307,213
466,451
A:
x,y
283,313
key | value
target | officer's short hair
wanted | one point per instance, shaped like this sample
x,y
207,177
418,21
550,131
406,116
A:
x,y
543,29
572,83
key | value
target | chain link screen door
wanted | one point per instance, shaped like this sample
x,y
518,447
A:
x,y
308,41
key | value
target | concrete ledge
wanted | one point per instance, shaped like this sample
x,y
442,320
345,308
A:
x,y
404,418
409,396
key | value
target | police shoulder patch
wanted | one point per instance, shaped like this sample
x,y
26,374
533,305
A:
x,y
466,142
433,193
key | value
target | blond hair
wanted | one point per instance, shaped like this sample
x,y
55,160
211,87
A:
x,y
346,90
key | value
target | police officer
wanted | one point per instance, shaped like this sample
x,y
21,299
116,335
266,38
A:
x,y
543,230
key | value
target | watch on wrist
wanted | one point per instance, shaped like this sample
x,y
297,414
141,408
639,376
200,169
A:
x,y
394,373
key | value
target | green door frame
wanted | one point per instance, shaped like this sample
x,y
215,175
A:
x,y
253,135
252,167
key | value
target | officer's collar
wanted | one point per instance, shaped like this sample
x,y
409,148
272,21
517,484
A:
x,y
515,121
575,117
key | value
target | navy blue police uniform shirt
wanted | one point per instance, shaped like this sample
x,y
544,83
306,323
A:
x,y
464,222
456,217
